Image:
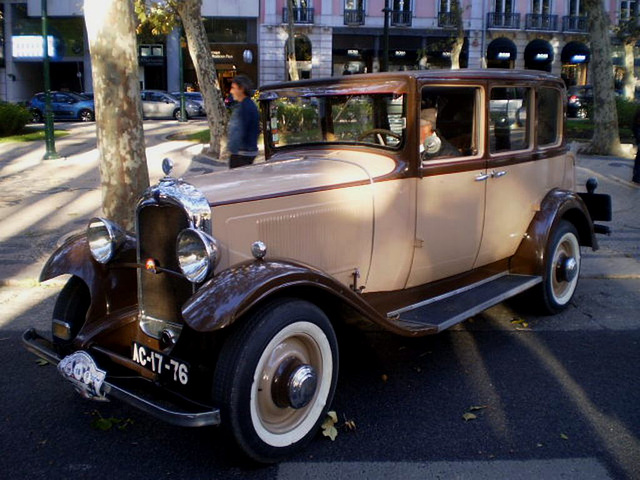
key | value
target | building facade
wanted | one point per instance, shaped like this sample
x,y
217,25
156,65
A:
x,y
332,37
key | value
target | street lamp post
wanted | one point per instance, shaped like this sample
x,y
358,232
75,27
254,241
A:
x,y
385,38
183,113
50,153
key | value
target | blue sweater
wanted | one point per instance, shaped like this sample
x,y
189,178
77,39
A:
x,y
242,138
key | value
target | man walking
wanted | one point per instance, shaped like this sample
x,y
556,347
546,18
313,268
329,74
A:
x,y
243,126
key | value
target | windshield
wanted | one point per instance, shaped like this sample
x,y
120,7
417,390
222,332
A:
x,y
370,119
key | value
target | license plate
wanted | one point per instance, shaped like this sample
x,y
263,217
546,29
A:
x,y
165,366
81,370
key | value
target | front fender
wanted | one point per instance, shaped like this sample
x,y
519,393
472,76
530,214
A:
x,y
231,293
74,258
557,205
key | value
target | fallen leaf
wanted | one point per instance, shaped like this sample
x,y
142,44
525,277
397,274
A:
x,y
330,432
42,362
564,437
475,408
333,415
469,416
328,426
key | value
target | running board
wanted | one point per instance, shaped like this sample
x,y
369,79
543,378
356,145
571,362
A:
x,y
442,312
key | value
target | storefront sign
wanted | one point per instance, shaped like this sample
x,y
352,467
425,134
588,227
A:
x,y
541,57
400,53
578,58
30,46
353,53
504,56
218,55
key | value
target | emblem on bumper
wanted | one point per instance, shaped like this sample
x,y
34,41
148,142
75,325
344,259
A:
x,y
81,370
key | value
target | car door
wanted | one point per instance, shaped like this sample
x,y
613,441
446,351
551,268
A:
x,y
518,178
450,193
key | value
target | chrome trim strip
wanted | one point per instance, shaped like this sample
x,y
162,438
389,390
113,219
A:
x,y
408,308
35,343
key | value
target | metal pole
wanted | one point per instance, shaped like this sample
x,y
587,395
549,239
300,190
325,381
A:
x,y
183,113
50,153
385,38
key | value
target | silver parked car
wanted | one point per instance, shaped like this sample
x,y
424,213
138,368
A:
x,y
195,97
159,104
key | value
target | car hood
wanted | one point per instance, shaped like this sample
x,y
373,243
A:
x,y
291,174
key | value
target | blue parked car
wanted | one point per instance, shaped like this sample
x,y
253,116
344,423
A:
x,y
65,106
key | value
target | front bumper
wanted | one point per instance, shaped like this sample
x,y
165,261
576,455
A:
x,y
43,348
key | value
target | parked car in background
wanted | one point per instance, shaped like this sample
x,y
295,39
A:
x,y
65,106
159,104
195,97
224,305
579,101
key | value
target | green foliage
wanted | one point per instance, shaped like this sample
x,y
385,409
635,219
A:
x,y
13,118
293,117
156,18
626,111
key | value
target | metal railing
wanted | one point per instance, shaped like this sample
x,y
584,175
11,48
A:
x,y
574,23
353,17
541,21
503,20
401,18
300,15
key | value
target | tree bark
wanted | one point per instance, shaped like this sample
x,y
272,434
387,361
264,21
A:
x,y
114,66
190,12
458,41
292,63
606,139
629,83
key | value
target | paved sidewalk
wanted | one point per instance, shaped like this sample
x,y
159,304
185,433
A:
x,y
42,202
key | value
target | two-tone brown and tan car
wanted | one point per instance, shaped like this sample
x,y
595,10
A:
x,y
410,201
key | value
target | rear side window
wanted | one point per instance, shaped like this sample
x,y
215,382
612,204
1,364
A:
x,y
548,108
509,119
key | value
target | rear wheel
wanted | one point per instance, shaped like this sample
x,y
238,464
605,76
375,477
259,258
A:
x,y
36,116
177,116
562,268
275,379
86,116
70,311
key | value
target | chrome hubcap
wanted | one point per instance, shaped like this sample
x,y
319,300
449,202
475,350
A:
x,y
294,384
566,269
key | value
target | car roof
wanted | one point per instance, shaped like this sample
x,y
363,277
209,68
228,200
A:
x,y
438,75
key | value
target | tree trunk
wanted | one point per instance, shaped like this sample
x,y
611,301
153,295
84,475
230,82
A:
x,y
606,139
292,64
190,12
114,66
629,85
458,42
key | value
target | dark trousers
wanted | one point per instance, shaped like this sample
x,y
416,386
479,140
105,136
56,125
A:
x,y
636,167
236,161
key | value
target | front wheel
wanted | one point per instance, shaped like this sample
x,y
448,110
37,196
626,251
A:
x,y
275,379
86,116
562,268
177,116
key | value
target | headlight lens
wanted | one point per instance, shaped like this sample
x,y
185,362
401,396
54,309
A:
x,y
197,254
105,238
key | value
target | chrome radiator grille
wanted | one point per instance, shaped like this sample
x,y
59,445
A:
x,y
161,294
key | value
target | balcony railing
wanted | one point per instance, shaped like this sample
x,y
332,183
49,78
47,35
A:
x,y
537,21
573,23
353,17
503,20
447,20
401,18
300,15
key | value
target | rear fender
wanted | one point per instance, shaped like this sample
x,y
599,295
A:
x,y
557,205
233,292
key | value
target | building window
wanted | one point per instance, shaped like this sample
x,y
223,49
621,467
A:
x,y
401,13
504,6
575,8
354,12
541,7
302,11
627,8
226,30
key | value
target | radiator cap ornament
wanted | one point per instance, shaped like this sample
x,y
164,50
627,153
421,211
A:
x,y
167,166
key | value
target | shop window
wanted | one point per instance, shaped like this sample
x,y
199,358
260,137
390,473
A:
x,y
303,49
226,30
508,119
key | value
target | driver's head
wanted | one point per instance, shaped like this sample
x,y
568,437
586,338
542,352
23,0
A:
x,y
426,129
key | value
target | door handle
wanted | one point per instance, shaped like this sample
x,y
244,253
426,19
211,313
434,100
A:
x,y
499,174
482,177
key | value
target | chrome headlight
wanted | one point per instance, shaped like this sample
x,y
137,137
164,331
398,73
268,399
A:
x,y
197,254
105,238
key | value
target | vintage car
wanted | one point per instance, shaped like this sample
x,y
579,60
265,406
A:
x,y
222,306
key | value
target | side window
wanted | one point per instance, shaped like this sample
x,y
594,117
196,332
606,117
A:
x,y
548,109
509,119
448,122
